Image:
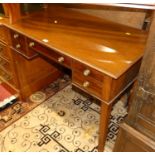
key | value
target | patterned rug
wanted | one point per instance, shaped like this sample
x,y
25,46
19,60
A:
x,y
14,112
65,122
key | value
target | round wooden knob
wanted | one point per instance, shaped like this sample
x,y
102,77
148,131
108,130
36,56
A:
x,y
16,36
61,59
86,84
18,46
86,72
31,44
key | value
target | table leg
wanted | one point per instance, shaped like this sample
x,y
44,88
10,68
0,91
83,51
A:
x,y
104,122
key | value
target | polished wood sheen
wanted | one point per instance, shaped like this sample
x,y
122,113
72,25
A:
x,y
108,47
98,76
102,55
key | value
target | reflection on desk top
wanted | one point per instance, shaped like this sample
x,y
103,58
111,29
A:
x,y
108,47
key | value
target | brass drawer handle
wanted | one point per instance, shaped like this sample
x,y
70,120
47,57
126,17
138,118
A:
x,y
86,84
31,44
86,72
61,59
18,46
15,36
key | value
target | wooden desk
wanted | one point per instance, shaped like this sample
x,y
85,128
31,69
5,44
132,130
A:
x,y
104,57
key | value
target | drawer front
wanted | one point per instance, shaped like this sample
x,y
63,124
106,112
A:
x,y
4,51
18,41
5,64
3,34
7,77
87,71
60,58
91,86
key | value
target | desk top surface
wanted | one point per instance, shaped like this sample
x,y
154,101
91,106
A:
x,y
108,47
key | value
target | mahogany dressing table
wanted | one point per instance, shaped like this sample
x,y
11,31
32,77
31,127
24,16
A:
x,y
104,57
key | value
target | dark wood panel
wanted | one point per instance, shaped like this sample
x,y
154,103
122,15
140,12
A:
x,y
33,74
142,114
130,140
145,126
144,93
147,109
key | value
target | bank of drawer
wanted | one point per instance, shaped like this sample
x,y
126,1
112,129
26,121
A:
x,y
87,71
19,44
3,34
58,57
18,41
5,64
90,85
7,77
4,51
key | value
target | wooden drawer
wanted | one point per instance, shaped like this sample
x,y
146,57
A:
x,y
19,44
87,71
4,51
51,54
7,77
3,34
18,41
90,85
5,64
